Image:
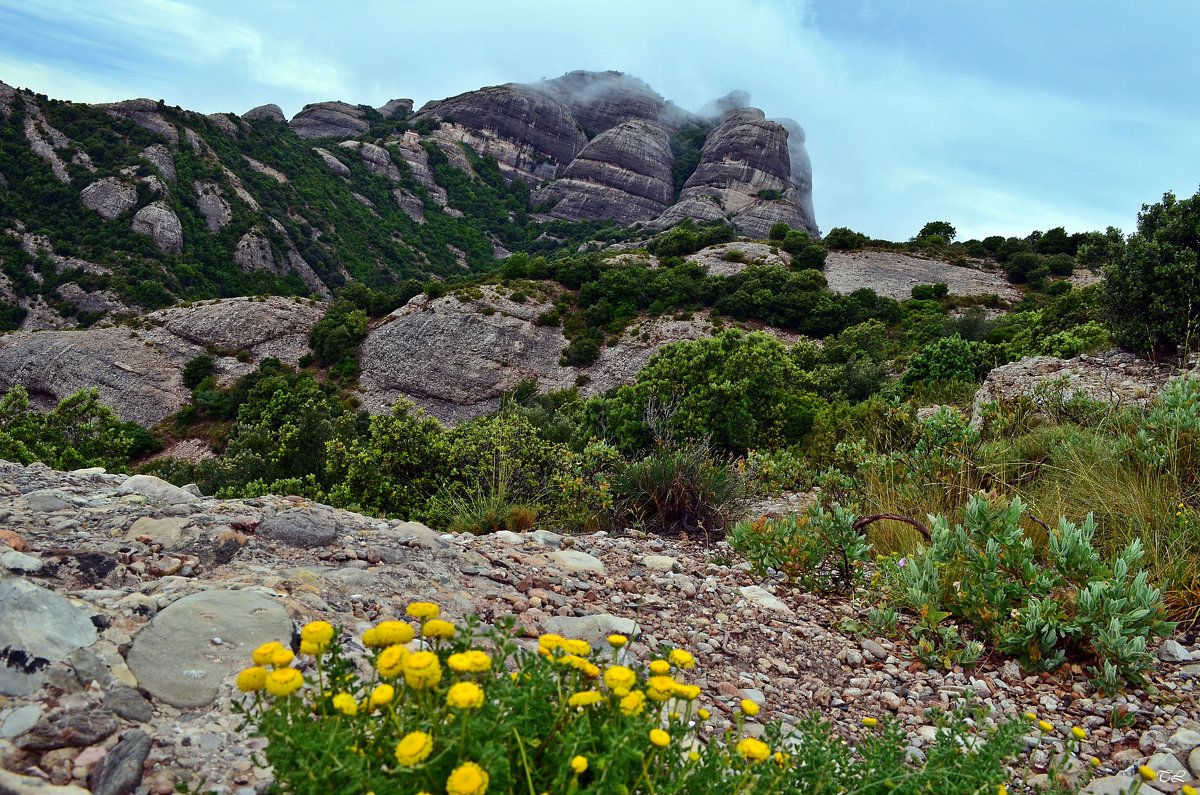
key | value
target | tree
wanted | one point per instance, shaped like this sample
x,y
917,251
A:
x,y
1152,295
941,229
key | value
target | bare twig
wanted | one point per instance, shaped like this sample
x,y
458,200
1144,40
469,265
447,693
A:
x,y
895,517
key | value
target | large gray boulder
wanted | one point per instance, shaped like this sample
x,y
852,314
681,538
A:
x,y
146,114
744,178
212,205
396,108
110,197
624,174
162,225
38,627
160,157
268,112
328,119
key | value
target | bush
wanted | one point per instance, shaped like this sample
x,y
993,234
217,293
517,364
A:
x,y
78,432
842,238
196,370
778,231
930,292
820,550
985,574
474,714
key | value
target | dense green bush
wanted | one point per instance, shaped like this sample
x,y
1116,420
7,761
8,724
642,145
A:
x,y
842,238
821,550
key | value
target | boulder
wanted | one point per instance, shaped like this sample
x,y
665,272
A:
x,y
156,490
110,197
253,253
160,157
194,644
624,174
396,108
378,161
147,114
329,119
335,165
600,101
212,205
268,112
160,222
301,527
38,627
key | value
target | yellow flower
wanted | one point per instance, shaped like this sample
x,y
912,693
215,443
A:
x,y
585,698
436,628
345,704
388,633
575,646
617,641
1188,789
781,758
473,661
579,764
263,654
422,669
586,667
382,694
1045,725
549,642
311,648
1001,790
633,702
423,611
660,667
1094,761
1147,772
686,692
659,687
318,632
703,714
282,658
284,681
1031,715
619,679
414,748
465,695
682,659
660,738
1078,733
749,707
251,679
753,749
467,779
870,723
391,661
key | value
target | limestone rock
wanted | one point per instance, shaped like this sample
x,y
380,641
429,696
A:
x,y
160,222
335,165
156,490
253,253
265,170
328,119
594,629
744,161
100,301
396,108
212,205
602,100
7,93
301,527
120,771
623,174
110,197
535,124
38,627
378,161
226,123
572,560
16,784
268,112
893,275
160,157
175,657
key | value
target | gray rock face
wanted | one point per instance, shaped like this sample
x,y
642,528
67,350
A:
x,y
328,119
539,125
7,93
156,489
396,108
120,771
378,161
602,100
335,165
174,656
103,301
139,373
38,628
253,253
212,205
160,157
301,527
160,222
744,156
226,123
268,112
623,173
144,113
110,197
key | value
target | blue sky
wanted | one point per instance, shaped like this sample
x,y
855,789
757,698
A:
x,y
1000,116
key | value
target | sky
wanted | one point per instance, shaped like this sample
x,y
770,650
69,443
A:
x,y
999,116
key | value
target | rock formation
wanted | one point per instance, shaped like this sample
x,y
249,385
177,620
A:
x,y
212,205
269,112
396,108
159,221
624,174
601,100
110,197
329,119
145,113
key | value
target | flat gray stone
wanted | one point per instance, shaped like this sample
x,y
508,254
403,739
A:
x,y
21,563
874,649
1115,785
763,598
572,560
301,527
153,488
20,720
37,627
1172,650
120,771
1194,762
69,729
660,563
167,532
1185,739
174,658
594,629
46,501
1172,773
129,704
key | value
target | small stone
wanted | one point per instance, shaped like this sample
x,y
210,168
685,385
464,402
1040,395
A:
x,y
763,598
12,540
69,729
873,649
594,629
1172,773
129,704
21,563
120,771
20,720
1172,650
572,561
660,563
1185,739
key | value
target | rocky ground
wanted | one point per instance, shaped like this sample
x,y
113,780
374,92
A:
x,y
894,275
127,603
